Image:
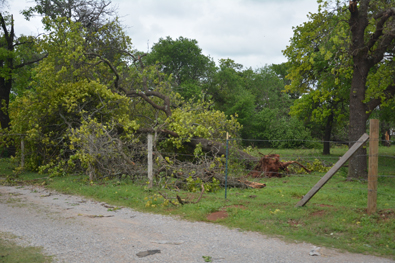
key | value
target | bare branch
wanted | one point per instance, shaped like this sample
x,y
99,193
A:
x,y
30,62
3,25
379,27
145,95
113,69
389,93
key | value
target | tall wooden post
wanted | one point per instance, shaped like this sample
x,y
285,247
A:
x,y
226,165
373,166
22,152
150,174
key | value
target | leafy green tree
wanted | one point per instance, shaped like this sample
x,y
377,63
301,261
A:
x,y
182,58
262,108
232,89
97,18
321,114
322,105
268,89
271,105
80,95
13,57
67,94
227,85
355,42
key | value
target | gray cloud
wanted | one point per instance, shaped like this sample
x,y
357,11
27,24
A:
x,y
251,32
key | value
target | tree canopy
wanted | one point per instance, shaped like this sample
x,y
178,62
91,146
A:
x,y
347,49
16,53
83,100
182,58
83,87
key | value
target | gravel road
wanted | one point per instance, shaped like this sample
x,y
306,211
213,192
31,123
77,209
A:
x,y
75,229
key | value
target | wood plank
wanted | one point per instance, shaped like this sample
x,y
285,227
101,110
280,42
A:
x,y
150,162
373,166
333,170
22,152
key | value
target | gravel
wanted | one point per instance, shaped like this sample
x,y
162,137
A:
x,y
75,229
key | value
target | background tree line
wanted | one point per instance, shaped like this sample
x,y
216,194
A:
x,y
83,80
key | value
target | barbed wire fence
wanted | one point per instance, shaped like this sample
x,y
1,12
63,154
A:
x,y
383,161
6,145
385,176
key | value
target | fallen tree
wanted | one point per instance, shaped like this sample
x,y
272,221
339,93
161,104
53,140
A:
x,y
242,183
186,173
128,100
193,133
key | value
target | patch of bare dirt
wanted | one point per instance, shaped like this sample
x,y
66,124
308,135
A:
x,y
221,214
294,223
319,213
217,215
323,205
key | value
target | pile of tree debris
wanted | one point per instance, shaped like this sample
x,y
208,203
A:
x,y
231,182
271,166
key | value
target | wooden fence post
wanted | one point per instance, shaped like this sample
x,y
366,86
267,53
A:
x,y
226,165
373,166
22,152
150,175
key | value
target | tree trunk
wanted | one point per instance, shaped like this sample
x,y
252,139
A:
x,y
327,134
7,64
5,88
358,109
6,81
358,162
358,117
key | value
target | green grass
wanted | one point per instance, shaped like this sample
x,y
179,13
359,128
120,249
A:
x,y
12,253
334,217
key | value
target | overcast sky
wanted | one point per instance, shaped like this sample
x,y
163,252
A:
x,y
251,32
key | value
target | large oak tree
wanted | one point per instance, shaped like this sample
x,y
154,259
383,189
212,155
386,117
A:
x,y
12,58
357,41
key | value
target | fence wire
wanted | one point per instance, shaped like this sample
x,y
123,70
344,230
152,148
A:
x,y
304,156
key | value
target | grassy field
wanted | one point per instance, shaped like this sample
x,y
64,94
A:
x,y
334,217
12,253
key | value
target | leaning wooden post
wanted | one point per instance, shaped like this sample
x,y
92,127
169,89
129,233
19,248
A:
x,y
373,166
22,152
150,175
333,170
226,165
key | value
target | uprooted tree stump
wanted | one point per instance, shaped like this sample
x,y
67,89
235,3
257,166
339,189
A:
x,y
271,166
